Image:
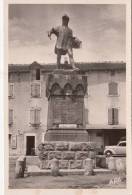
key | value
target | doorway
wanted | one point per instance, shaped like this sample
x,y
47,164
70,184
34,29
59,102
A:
x,y
30,145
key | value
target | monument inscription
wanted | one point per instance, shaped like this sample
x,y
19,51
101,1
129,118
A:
x,y
64,110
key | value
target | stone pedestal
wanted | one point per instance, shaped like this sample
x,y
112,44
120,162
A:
x,y
88,166
20,166
55,167
65,92
75,135
111,163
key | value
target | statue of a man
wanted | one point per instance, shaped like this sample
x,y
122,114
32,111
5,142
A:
x,y
64,41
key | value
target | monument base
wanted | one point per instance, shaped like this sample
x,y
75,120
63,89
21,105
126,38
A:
x,y
74,135
71,155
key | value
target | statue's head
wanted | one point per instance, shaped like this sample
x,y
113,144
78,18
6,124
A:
x,y
65,19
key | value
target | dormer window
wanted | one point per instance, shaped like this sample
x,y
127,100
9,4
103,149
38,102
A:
x,y
37,74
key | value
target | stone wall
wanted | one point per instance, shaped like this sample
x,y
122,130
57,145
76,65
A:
x,y
71,155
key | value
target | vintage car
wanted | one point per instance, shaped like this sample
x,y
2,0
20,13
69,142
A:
x,y
116,150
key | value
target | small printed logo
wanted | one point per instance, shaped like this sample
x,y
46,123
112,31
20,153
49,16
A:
x,y
115,180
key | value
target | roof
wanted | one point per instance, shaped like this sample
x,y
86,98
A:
x,y
84,67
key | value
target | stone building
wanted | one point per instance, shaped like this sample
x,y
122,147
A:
x,y
61,105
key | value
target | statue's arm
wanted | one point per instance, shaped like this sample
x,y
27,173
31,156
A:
x,y
50,33
53,31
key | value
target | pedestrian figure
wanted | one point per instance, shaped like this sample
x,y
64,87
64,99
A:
x,y
64,43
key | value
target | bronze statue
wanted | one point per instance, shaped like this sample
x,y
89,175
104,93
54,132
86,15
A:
x,y
65,41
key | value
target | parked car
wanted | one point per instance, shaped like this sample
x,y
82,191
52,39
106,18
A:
x,y
116,150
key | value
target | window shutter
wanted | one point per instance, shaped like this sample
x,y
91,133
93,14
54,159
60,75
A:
x,y
115,116
10,90
32,90
113,88
14,142
32,116
10,117
110,89
35,90
110,121
37,116
38,90
33,75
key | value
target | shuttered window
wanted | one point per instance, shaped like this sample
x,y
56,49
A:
x,y
33,74
115,110
14,142
11,90
37,74
10,116
113,88
35,116
35,90
113,116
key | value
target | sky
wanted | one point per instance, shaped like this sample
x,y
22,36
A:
x,y
101,28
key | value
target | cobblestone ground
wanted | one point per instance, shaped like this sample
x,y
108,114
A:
x,y
62,182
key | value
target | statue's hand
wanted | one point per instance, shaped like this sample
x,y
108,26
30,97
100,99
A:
x,y
49,35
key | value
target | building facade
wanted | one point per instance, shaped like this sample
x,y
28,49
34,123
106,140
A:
x,y
58,105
